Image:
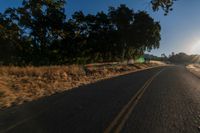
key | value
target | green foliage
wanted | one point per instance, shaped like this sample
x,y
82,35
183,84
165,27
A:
x,y
38,33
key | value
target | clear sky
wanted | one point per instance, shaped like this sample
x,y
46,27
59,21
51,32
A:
x,y
180,29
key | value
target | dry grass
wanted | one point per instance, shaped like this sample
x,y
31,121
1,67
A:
x,y
194,68
21,84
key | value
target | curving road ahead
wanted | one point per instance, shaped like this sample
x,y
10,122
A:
x,y
158,100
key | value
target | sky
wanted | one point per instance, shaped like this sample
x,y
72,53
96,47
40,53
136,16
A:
x,y
180,28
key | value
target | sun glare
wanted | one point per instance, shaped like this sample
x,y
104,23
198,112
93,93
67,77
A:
x,y
195,48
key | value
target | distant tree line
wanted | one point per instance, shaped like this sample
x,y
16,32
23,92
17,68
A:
x,y
182,58
152,57
38,33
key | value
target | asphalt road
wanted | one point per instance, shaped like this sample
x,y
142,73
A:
x,y
158,100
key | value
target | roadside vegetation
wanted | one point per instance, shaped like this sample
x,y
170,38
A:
x,y
194,68
39,33
191,62
183,58
22,84
43,51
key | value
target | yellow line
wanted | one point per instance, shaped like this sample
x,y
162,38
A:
x,y
120,126
129,108
114,123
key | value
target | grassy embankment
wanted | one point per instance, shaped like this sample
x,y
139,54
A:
x,y
22,84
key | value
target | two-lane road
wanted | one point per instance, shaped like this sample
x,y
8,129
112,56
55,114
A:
x,y
158,100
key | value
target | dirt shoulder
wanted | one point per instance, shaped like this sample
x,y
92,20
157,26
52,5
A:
x,y
194,68
23,84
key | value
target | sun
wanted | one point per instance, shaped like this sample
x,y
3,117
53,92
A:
x,y
195,48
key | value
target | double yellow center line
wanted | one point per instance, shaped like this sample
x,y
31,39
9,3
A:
x,y
119,121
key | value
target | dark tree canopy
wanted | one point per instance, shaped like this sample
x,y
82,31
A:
x,y
183,58
166,5
38,33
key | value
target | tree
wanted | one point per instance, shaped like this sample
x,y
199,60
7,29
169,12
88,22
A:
x,y
166,5
180,58
163,57
38,33
42,21
147,32
122,17
9,38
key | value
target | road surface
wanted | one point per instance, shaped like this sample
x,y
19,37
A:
x,y
158,100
